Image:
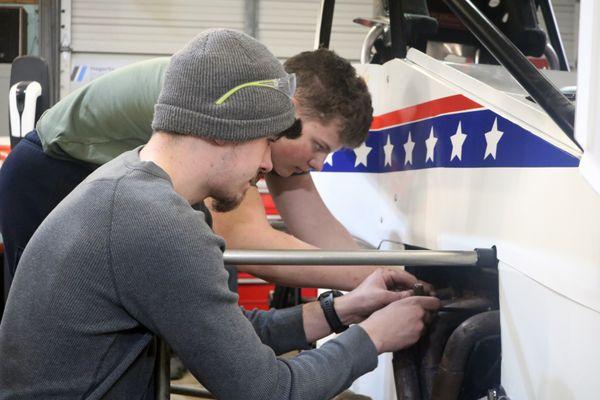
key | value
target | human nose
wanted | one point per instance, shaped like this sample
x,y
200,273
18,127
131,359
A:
x,y
266,165
317,162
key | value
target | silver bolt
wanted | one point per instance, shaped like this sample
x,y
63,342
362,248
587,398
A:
x,y
492,394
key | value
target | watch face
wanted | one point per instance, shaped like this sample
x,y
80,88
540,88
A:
x,y
324,294
336,293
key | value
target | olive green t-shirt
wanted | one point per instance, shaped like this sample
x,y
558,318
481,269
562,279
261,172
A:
x,y
110,115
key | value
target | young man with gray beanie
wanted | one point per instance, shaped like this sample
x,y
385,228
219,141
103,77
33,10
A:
x,y
125,258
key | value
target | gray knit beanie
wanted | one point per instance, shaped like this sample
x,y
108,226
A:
x,y
210,65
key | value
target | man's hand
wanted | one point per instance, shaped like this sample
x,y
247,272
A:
x,y
380,288
400,324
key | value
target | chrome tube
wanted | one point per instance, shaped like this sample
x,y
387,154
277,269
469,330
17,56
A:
x,y
365,52
553,33
552,57
354,257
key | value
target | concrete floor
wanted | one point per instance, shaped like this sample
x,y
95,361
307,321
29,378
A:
x,y
187,380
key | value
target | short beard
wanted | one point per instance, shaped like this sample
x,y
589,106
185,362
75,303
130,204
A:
x,y
225,204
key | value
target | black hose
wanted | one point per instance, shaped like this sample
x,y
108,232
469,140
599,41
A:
x,y
406,374
432,345
449,378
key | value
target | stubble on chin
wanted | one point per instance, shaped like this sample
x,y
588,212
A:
x,y
225,204
229,202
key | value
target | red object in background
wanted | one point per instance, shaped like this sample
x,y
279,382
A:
x,y
4,150
253,293
269,204
539,62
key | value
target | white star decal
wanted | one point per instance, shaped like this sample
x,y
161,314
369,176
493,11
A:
x,y
408,149
430,143
458,139
492,138
329,159
361,154
387,149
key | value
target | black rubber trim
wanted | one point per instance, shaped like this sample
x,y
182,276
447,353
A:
x,y
327,7
487,258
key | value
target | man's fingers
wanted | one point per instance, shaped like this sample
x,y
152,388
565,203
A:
x,y
401,279
428,288
395,296
427,302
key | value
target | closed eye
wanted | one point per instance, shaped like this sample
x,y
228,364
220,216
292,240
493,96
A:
x,y
321,148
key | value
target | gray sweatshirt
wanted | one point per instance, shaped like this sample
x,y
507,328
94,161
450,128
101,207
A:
x,y
124,258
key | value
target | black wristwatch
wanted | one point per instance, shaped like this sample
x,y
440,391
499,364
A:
x,y
326,301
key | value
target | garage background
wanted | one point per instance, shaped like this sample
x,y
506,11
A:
x,y
96,37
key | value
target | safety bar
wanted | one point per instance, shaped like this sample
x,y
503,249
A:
x,y
475,258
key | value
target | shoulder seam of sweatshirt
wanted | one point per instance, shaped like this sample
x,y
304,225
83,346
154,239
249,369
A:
x,y
117,182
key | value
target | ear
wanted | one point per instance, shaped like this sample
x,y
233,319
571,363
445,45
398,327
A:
x,y
297,107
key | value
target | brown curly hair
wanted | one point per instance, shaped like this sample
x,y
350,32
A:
x,y
329,90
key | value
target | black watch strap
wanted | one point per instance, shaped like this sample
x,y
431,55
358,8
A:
x,y
326,301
